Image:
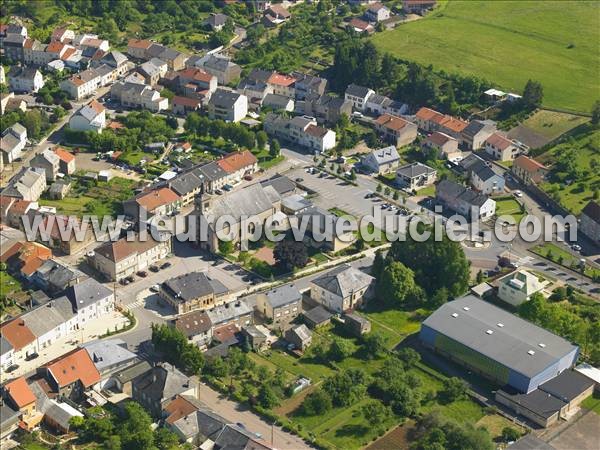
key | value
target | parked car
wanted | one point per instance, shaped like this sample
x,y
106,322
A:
x,y
142,273
12,368
518,194
576,247
299,180
154,288
154,268
248,178
130,278
165,265
124,281
31,356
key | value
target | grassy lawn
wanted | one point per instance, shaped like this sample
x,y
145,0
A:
x,y
508,206
552,124
509,43
134,157
496,423
574,192
592,403
94,197
555,253
428,191
265,160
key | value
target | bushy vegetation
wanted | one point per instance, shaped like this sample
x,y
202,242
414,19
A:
x,y
37,122
176,349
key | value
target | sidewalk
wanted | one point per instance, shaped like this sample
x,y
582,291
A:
x,y
69,342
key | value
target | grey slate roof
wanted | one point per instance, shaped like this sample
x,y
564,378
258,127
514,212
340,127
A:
x,y
343,280
163,382
211,171
567,386
223,98
301,331
282,184
185,183
228,311
317,315
283,295
203,422
295,203
86,293
47,317
415,169
475,126
109,353
5,346
530,442
57,275
276,100
8,417
508,344
357,91
384,155
132,372
192,285
454,190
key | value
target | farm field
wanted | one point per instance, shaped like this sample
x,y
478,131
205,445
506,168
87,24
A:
x,y
509,42
551,124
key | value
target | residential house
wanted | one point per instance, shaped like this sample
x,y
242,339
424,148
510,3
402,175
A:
x,y
317,317
417,6
196,83
8,103
153,70
237,165
196,326
300,130
381,161
357,325
415,176
91,300
78,240
20,338
138,96
34,53
278,102
445,146
20,397
227,105
59,190
6,354
282,84
299,336
110,356
589,222
24,258
91,43
528,170
212,176
396,130
117,60
13,45
324,224
380,104
518,287
116,260
13,141
72,374
47,161
325,108
55,278
192,291
360,26
174,59
465,201
27,184
185,105
155,389
430,120
377,12
343,288
482,177
280,305
358,95
255,338
244,206
223,68
137,48
82,84
25,79
67,160
58,416
62,34
475,134
216,21
275,15
502,148
307,86
50,322
187,185
122,381
158,202
233,315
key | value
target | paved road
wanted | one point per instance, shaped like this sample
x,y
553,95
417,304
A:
x,y
237,413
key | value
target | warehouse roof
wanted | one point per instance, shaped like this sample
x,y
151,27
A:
x,y
499,335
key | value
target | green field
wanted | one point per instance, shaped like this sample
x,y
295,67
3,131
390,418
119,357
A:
x,y
551,124
509,42
508,206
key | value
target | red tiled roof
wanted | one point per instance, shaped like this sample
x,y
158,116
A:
x,y
64,155
360,24
55,47
499,141
281,79
96,106
185,101
20,207
20,392
76,365
178,408
68,52
195,74
17,333
156,198
237,161
139,43
428,114
392,122
530,165
454,124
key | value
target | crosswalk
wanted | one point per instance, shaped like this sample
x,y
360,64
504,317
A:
x,y
137,304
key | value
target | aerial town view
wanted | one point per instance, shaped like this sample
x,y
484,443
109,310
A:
x,y
300,224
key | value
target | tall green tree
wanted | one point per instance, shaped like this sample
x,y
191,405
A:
x,y
396,284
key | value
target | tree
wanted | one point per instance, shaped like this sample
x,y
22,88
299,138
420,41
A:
x,y
480,277
346,387
379,188
340,349
376,413
396,285
378,264
275,148
396,195
316,403
165,439
267,397
454,389
510,434
533,94
135,427
261,139
290,254
596,113
375,344
225,247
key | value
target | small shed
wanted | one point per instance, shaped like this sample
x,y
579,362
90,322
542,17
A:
x,y
591,372
59,190
357,325
482,290
317,317
104,175
90,176
300,337
254,337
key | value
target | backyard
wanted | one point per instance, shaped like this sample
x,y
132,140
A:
x,y
509,206
509,43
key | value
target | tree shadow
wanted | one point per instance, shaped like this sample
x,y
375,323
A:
x,y
352,430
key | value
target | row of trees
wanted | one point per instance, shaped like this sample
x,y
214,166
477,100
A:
x,y
234,132
176,349
37,122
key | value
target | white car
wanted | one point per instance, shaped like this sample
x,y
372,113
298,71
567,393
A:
x,y
518,194
576,247
154,288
